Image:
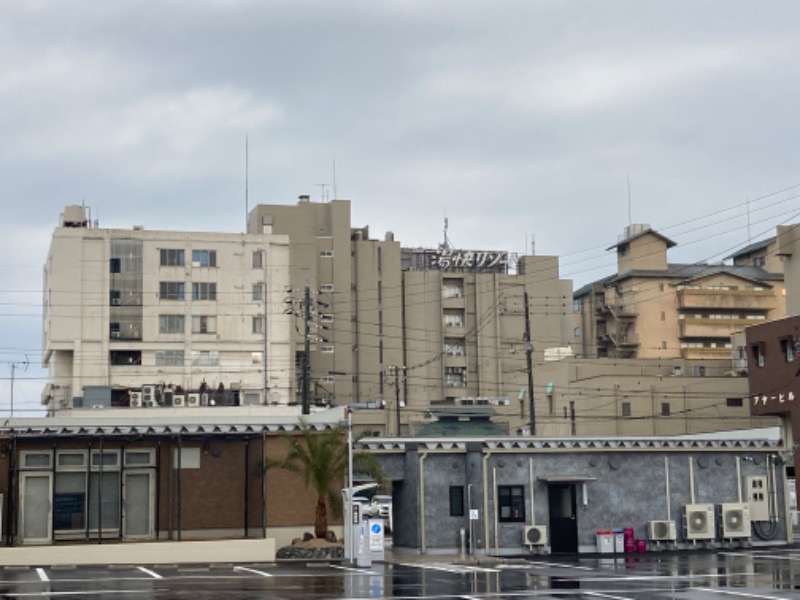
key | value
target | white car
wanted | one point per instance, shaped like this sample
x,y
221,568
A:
x,y
382,506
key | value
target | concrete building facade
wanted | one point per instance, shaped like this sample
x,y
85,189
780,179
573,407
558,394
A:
x,y
160,318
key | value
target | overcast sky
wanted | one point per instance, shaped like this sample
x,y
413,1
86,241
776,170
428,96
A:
x,y
519,121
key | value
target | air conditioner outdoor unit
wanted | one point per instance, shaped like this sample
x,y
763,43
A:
x,y
698,521
535,535
167,397
148,393
136,400
178,400
734,520
661,531
116,301
193,400
150,403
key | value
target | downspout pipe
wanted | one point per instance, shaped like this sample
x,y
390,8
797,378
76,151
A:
x,y
422,544
485,473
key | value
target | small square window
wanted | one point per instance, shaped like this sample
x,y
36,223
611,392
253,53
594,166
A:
x,y
734,402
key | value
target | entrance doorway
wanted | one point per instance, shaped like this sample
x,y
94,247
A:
x,y
562,500
35,515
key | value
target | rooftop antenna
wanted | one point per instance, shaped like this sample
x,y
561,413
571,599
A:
x,y
630,221
446,239
246,179
322,187
749,239
335,196
533,244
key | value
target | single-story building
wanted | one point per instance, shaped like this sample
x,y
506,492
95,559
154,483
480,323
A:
x,y
516,495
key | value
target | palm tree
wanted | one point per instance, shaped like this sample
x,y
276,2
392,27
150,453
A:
x,y
321,458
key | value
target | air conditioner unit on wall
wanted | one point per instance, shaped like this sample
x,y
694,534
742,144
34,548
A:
x,y
136,399
535,535
661,531
148,393
734,520
193,400
178,400
698,521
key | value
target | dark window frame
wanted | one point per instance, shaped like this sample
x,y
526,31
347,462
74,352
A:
x,y
457,501
511,503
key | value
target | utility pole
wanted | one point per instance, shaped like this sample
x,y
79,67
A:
x,y
14,365
306,349
529,360
397,395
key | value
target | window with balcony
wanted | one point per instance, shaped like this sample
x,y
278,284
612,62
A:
x,y
204,291
452,288
455,376
171,257
204,324
205,358
171,323
453,347
204,258
171,290
453,318
169,358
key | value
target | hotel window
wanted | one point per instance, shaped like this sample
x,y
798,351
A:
x,y
115,265
452,288
205,358
380,351
456,500
380,382
204,291
380,292
576,332
734,402
258,325
453,347
757,350
204,324
258,292
511,503
380,322
326,349
257,358
326,253
576,305
258,259
169,358
326,288
455,376
171,324
171,257
626,409
171,290
665,409
787,348
326,318
204,258
453,318
380,259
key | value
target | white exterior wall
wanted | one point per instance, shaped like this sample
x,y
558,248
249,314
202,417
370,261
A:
x,y
78,312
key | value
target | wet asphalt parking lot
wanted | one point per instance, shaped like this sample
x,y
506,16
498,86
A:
x,y
751,574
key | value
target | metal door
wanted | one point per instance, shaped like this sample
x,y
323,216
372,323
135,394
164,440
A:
x,y
562,499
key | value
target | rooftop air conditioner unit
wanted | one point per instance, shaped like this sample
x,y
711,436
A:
x,y
734,520
698,521
661,531
178,400
150,403
148,393
136,400
535,535
193,400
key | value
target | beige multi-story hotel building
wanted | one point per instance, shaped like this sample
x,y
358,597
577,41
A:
x,y
651,308
137,318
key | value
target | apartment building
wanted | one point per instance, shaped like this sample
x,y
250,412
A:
x,y
397,330
651,308
137,318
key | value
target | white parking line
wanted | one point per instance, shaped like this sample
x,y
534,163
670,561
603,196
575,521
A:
x,y
609,596
42,575
73,594
255,571
353,569
741,594
447,568
152,574
552,564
